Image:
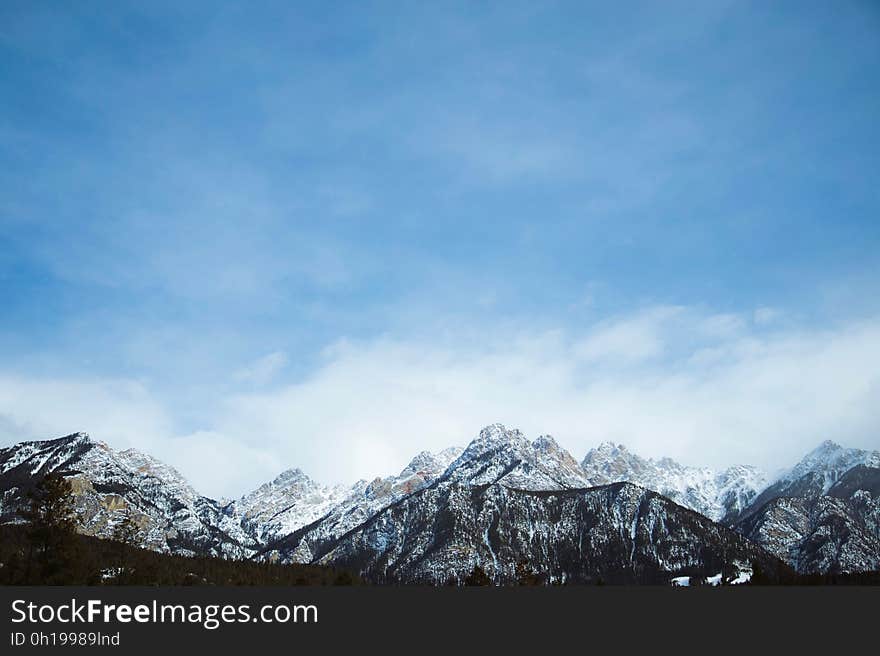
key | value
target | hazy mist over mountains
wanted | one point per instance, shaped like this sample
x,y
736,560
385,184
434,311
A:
x,y
706,390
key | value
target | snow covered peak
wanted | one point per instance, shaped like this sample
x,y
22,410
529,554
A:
x,y
290,501
494,443
147,465
548,450
108,485
43,456
429,464
499,455
609,463
827,445
715,494
498,433
546,443
828,462
291,477
610,448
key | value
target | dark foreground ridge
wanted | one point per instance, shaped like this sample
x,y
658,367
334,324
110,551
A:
x,y
85,560
74,559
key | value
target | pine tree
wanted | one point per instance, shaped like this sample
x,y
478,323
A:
x,y
51,545
126,535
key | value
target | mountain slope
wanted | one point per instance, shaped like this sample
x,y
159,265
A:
x,y
717,495
618,533
500,503
823,535
285,504
110,485
363,501
814,475
822,515
504,503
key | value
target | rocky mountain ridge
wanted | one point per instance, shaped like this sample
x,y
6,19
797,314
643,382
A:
x,y
501,501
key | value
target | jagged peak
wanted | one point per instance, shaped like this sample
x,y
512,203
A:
x,y
295,473
431,463
493,438
449,454
826,446
610,447
72,438
287,478
422,460
546,443
608,450
830,457
498,431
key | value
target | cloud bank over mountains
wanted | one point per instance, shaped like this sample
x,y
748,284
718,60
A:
x,y
665,380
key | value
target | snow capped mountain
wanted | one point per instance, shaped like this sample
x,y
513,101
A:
x,y
505,501
501,500
109,486
617,533
820,469
289,502
714,494
363,501
822,515
504,456
814,475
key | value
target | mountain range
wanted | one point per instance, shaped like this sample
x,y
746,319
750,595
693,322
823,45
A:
x,y
510,506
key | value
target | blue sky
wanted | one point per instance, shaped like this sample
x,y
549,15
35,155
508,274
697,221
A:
x,y
280,229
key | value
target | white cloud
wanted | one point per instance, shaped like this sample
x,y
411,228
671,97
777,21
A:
x,y
628,339
695,392
700,387
118,410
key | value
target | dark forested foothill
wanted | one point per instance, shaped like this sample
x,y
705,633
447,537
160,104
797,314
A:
x,y
45,550
85,560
